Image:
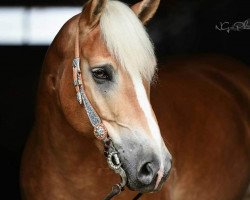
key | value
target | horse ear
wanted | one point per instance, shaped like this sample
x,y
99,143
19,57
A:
x,y
145,9
91,13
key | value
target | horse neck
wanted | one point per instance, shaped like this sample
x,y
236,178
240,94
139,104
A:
x,y
58,137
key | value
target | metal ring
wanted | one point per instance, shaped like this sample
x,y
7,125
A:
x,y
111,164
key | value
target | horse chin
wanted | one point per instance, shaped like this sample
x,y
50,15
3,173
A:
x,y
144,190
141,190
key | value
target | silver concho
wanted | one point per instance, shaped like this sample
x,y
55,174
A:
x,y
100,131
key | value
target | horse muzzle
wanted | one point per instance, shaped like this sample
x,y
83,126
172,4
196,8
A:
x,y
144,168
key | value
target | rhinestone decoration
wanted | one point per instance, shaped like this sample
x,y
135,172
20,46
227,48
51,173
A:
x,y
79,98
76,63
100,131
93,117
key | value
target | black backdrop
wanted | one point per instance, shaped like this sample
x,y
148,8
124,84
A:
x,y
180,27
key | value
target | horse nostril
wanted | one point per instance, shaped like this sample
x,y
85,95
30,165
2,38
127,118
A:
x,y
146,173
146,169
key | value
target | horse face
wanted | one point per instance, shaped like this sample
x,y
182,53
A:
x,y
117,73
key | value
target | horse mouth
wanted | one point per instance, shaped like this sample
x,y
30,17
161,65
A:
x,y
147,188
162,182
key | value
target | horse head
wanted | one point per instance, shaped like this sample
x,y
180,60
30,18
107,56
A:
x,y
117,67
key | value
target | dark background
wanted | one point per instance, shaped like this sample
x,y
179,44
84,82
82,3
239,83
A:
x,y
180,27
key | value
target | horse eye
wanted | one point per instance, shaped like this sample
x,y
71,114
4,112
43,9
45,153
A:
x,y
100,73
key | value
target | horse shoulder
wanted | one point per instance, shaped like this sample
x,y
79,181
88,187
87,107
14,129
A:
x,y
203,109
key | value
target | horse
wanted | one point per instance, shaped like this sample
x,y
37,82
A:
x,y
186,138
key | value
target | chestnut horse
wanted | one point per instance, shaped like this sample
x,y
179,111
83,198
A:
x,y
202,106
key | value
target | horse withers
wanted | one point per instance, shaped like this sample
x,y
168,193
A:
x,y
116,66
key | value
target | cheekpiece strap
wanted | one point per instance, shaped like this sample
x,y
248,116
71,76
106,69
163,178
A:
x,y
100,130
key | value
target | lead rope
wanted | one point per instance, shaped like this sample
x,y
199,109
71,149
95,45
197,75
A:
x,y
100,131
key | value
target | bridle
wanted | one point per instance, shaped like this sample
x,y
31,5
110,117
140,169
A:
x,y
100,131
